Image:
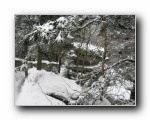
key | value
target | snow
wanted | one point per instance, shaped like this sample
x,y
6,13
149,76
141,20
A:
x,y
34,62
47,62
19,77
107,58
32,94
43,61
19,59
59,38
94,67
45,27
23,67
118,92
125,83
90,46
62,22
61,19
120,88
62,70
69,36
71,53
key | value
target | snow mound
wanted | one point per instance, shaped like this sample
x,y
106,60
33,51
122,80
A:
x,y
118,92
40,83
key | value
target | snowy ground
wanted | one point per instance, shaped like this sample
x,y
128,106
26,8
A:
x,y
36,89
40,83
19,80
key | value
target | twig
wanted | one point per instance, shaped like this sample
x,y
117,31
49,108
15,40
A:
x,y
44,93
69,85
119,62
90,22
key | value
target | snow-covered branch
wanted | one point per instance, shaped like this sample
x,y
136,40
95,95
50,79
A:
x,y
119,62
86,24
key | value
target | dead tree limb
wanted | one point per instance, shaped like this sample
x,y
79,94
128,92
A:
x,y
59,97
99,73
43,93
86,24
119,62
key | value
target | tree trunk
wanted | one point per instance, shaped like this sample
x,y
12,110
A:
x,y
119,62
26,73
104,54
77,63
59,64
39,59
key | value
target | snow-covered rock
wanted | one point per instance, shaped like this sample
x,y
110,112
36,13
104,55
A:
x,y
75,95
40,83
118,92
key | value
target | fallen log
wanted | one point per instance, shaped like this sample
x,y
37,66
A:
x,y
59,97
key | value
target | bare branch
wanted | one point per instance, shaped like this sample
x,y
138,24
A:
x,y
85,25
119,62
44,93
